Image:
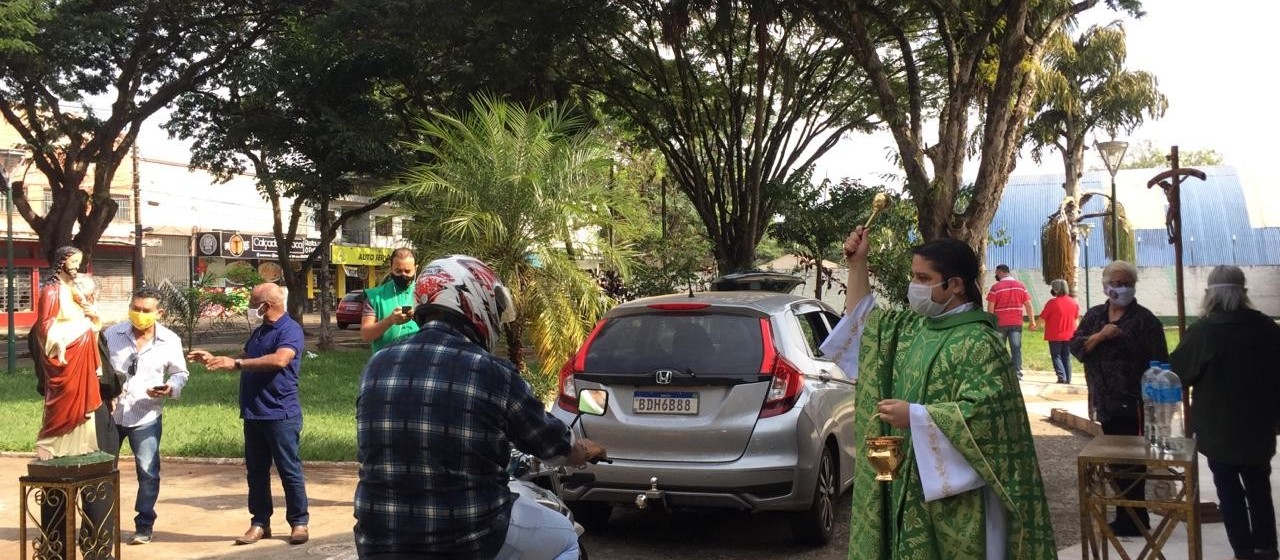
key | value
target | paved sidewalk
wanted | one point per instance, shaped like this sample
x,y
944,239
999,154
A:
x,y
202,509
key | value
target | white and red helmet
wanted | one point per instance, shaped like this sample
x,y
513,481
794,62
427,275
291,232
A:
x,y
468,288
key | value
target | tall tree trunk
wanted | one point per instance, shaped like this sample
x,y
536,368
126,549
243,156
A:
x,y
1073,165
325,341
735,254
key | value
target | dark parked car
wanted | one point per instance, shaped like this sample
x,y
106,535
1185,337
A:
x,y
350,309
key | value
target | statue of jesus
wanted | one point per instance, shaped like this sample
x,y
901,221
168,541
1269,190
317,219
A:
x,y
64,343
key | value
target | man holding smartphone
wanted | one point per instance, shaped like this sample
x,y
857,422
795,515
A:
x,y
388,309
150,357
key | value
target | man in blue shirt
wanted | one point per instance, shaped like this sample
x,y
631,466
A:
x,y
271,411
436,416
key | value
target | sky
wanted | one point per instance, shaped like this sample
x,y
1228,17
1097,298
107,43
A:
x,y
1210,58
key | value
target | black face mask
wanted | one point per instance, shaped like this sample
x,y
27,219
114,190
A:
x,y
402,282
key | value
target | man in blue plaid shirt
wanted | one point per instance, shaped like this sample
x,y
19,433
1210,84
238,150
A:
x,y
436,416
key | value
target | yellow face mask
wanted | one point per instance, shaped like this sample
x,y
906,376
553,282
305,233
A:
x,y
142,321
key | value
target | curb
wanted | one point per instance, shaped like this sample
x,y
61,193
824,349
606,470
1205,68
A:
x,y
1068,419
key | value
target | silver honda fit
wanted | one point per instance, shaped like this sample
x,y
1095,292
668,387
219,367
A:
x,y
717,400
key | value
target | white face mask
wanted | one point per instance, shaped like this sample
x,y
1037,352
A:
x,y
920,298
1121,296
254,315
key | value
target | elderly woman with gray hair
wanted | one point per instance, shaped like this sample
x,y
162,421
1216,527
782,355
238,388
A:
x,y
1229,358
1059,318
1116,341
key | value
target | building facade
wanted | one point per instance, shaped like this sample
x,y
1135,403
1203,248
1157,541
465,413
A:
x,y
194,225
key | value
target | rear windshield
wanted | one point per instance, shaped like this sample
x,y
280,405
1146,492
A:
x,y
701,343
353,296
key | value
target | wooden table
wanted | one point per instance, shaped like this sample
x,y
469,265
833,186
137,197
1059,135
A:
x,y
1174,495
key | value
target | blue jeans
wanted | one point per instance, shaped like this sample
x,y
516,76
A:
x,y
274,441
538,533
1061,354
144,440
1248,513
1014,336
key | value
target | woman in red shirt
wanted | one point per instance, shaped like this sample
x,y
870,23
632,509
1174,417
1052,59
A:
x,y
1059,318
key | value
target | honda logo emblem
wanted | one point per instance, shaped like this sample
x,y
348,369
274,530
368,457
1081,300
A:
x,y
664,376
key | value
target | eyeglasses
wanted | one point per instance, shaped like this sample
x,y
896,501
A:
x,y
133,365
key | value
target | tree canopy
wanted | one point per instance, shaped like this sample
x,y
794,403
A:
x,y
139,56
1084,88
964,66
1146,155
513,186
302,112
737,96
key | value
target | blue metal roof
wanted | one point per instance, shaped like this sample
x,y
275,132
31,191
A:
x,y
1216,226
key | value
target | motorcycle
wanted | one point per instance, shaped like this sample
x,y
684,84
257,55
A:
x,y
531,479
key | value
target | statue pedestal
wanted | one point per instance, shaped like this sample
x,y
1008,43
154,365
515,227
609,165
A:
x,y
73,505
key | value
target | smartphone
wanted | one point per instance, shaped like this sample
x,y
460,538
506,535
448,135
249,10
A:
x,y
407,310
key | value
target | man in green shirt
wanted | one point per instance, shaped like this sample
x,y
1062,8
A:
x,y
388,309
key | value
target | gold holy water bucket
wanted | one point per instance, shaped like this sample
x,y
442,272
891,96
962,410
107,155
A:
x,y
885,455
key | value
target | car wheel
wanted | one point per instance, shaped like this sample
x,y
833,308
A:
x,y
592,515
342,326
815,525
582,550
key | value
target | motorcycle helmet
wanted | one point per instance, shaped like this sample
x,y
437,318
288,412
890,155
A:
x,y
468,289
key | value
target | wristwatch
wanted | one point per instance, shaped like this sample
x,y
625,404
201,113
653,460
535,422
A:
x,y
239,365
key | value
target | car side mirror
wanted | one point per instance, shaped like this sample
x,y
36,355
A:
x,y
593,402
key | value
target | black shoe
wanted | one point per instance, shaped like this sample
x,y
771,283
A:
x,y
1260,554
141,537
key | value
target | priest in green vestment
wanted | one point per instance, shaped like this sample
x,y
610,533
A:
x,y
969,485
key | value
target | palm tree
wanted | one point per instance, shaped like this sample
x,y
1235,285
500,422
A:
x,y
1083,86
517,188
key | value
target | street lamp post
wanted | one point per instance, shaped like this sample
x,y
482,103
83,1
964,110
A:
x,y
9,161
1112,154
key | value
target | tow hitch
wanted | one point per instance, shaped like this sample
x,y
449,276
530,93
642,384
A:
x,y
653,494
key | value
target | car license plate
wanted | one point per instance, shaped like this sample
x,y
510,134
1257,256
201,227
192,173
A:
x,y
665,402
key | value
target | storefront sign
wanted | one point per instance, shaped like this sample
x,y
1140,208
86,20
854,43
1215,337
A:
x,y
236,245
364,256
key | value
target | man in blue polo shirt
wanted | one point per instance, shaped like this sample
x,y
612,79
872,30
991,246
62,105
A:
x,y
271,411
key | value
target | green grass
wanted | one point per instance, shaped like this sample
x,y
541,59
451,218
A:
x,y
1035,352
206,421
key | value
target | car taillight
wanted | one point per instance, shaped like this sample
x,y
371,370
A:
x,y
784,390
568,391
568,397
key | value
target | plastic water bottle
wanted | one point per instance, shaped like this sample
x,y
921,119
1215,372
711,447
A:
x,y
1151,398
1171,402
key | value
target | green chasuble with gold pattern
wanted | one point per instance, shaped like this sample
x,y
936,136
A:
x,y
955,366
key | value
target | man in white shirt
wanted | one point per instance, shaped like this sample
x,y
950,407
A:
x,y
150,357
